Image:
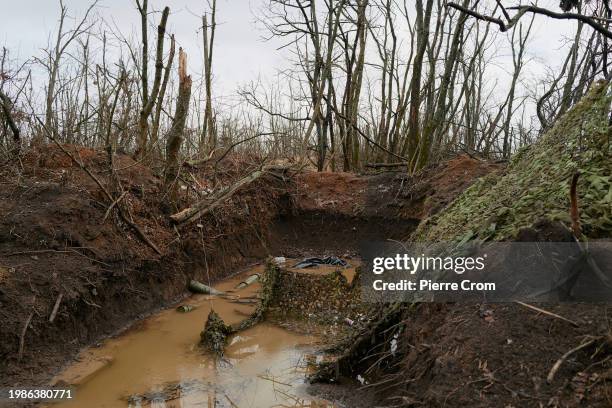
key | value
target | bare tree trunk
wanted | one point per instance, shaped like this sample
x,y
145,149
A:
x,y
160,98
208,129
175,136
7,105
148,101
422,31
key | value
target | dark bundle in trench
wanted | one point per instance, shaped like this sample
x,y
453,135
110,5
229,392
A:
x,y
215,333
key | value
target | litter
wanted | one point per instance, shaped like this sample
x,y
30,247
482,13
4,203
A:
x,y
279,260
185,308
199,287
313,262
248,281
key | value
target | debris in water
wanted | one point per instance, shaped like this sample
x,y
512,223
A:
x,y
199,287
330,260
169,392
185,308
215,333
248,281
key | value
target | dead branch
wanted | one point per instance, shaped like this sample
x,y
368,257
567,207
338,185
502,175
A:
x,y
522,10
6,105
189,215
574,213
559,362
385,165
110,207
23,333
547,313
56,307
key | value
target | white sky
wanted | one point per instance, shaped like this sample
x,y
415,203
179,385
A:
x,y
241,55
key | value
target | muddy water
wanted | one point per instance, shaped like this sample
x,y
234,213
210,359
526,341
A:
x,y
158,362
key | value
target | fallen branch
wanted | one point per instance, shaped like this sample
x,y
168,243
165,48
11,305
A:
x,y
189,215
23,333
574,212
6,105
56,308
559,362
110,208
546,312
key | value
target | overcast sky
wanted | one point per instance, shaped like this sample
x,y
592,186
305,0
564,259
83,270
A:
x,y
240,53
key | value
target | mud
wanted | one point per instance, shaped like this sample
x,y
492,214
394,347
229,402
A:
x,y
262,366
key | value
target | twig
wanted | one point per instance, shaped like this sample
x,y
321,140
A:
x,y
263,377
230,401
23,333
557,365
56,307
546,312
113,205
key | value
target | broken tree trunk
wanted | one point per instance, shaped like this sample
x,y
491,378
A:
x,y
175,136
6,105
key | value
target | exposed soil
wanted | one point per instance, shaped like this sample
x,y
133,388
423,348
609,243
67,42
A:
x,y
484,355
54,238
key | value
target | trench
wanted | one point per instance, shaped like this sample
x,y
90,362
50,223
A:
x,y
159,362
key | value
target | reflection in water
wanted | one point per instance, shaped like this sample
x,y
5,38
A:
x,y
158,363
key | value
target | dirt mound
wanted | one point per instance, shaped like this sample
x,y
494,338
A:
x,y
60,244
333,213
391,194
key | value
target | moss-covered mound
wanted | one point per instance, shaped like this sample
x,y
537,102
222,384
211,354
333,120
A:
x,y
536,183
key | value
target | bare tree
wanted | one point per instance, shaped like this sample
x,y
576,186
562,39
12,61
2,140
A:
x,y
208,136
175,135
148,100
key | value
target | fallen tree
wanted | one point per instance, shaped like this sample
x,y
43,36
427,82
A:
x,y
202,207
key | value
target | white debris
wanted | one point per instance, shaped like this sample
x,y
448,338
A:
x,y
393,346
349,321
280,260
361,379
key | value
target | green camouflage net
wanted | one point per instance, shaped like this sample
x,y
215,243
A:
x,y
536,183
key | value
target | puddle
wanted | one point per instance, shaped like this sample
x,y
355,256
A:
x,y
159,361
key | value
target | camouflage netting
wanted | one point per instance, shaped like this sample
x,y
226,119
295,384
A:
x,y
536,183
215,333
